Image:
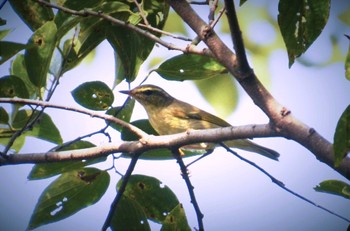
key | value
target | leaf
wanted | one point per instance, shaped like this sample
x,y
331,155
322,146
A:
x,y
46,170
68,194
156,154
156,199
32,13
5,136
190,67
44,129
133,48
11,86
341,139
335,187
95,95
129,216
3,33
18,68
301,22
9,49
44,42
4,116
345,16
347,64
176,220
124,113
220,92
92,29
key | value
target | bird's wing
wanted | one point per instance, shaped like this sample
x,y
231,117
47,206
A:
x,y
188,111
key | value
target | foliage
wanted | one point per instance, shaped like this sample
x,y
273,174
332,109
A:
x,y
60,42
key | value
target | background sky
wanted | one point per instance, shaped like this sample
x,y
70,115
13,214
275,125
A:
x,y
231,194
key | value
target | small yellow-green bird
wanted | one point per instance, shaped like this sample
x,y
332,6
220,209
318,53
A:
x,y
168,115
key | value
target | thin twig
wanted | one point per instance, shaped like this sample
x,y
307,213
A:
x,y
120,192
142,14
154,29
281,184
110,118
190,188
147,34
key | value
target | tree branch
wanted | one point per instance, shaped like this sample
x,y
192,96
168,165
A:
x,y
281,119
147,34
148,142
45,104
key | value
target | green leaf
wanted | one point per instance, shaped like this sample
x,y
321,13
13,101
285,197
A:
x,y
9,49
157,200
5,136
46,170
68,194
335,187
133,48
220,92
347,63
124,112
190,67
32,13
18,68
92,29
44,129
95,95
12,86
129,216
43,43
345,16
341,144
3,33
4,116
157,154
176,220
301,22
175,24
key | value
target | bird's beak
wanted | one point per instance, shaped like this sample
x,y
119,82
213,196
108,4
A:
x,y
125,92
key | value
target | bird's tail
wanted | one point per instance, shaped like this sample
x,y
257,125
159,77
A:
x,y
252,147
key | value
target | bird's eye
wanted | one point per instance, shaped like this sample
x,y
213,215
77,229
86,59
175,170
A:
x,y
148,92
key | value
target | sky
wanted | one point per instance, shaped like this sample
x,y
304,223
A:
x,y
231,194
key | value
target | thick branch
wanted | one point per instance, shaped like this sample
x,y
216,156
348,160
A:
x,y
146,143
283,121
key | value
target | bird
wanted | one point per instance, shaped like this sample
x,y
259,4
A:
x,y
168,115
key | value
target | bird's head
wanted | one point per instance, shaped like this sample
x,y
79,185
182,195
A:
x,y
150,96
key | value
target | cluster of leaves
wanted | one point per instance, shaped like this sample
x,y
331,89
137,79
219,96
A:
x,y
60,41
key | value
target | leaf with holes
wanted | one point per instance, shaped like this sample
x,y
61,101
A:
x,y
95,95
176,220
68,194
12,86
38,56
32,13
156,200
301,22
129,216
